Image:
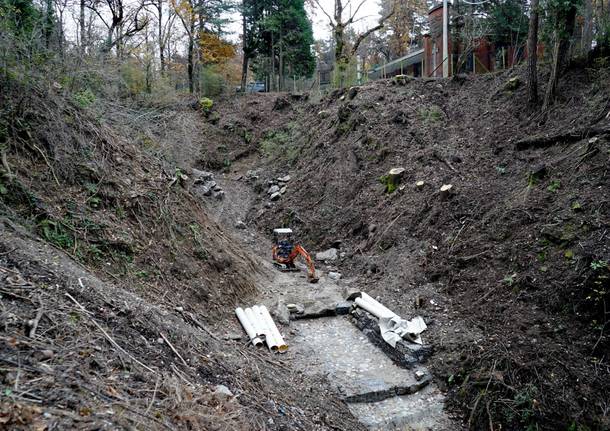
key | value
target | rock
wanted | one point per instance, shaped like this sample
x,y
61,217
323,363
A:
x,y
420,184
296,308
334,275
222,393
202,176
233,336
281,312
396,171
419,375
240,224
275,196
283,190
217,188
267,204
343,308
284,179
330,254
44,355
273,189
219,195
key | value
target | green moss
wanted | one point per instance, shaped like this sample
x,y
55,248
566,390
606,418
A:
x,y
206,104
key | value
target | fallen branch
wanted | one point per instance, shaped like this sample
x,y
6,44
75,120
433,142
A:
x,y
173,349
108,337
34,323
545,140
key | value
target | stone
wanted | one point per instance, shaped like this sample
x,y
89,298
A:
x,y
281,312
334,275
420,184
284,179
201,176
396,171
330,254
419,375
240,224
222,393
275,196
273,189
283,190
217,188
219,195
267,204
343,308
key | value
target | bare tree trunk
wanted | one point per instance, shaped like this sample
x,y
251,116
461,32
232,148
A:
x,y
246,53
83,30
560,51
48,25
587,28
190,63
160,36
532,56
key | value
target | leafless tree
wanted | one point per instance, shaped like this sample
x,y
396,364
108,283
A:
x,y
339,25
125,21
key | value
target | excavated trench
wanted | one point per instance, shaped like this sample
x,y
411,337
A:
x,y
384,388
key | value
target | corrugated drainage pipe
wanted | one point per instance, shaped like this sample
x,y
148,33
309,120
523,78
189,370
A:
x,y
282,347
248,326
266,329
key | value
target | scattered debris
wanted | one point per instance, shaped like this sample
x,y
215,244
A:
x,y
222,393
240,224
392,327
334,275
204,185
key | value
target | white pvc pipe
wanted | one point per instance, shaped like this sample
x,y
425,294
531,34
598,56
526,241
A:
x,y
282,347
258,324
249,328
263,326
371,308
377,304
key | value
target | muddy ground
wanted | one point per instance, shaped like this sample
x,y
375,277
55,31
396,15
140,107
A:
x,y
510,268
119,274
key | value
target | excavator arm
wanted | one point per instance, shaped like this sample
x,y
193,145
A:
x,y
311,270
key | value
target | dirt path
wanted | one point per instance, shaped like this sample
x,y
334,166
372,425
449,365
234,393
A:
x,y
380,394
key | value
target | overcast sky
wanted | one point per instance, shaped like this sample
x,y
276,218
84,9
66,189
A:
x,y
369,12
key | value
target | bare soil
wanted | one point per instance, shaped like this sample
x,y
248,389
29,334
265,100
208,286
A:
x,y
510,269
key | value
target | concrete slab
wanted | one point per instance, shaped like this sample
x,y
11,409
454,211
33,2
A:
x,y
358,370
416,412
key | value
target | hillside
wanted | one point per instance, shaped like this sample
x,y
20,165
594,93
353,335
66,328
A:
x,y
116,284
510,267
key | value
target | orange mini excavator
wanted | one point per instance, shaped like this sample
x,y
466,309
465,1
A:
x,y
285,251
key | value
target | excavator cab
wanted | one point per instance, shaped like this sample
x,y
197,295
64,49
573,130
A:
x,y
285,251
283,245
